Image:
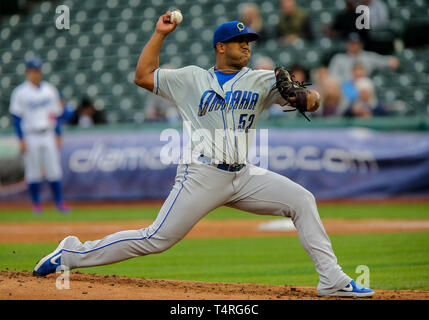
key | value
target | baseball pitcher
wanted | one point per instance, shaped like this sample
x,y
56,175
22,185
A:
x,y
228,98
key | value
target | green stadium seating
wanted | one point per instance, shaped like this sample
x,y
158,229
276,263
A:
x,y
98,55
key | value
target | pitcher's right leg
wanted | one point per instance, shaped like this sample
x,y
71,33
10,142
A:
x,y
198,190
272,194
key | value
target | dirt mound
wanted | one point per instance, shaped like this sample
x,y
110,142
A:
x,y
19,285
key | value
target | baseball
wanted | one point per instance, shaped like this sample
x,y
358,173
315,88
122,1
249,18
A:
x,y
176,15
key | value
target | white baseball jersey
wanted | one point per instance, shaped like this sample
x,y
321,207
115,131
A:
x,y
219,118
37,106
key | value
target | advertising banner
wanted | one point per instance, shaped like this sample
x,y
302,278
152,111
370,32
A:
x,y
332,164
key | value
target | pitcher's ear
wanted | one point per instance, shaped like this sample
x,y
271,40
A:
x,y
220,47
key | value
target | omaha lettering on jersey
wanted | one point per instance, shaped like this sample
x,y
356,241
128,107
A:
x,y
41,103
238,99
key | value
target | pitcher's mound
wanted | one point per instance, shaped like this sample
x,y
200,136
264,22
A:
x,y
20,285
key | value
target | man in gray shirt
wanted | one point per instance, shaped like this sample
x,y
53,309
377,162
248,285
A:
x,y
341,65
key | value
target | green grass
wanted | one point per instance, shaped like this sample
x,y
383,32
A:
x,y
375,211
396,261
103,213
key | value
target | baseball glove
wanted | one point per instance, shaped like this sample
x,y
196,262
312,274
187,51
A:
x,y
295,93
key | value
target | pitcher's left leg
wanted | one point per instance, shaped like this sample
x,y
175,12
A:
x,y
272,194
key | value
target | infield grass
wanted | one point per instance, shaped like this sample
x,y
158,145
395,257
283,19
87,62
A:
x,y
396,261
141,212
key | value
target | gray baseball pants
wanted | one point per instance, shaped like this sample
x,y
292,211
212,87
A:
x,y
201,188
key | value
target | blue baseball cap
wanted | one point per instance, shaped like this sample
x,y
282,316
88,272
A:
x,y
229,30
34,63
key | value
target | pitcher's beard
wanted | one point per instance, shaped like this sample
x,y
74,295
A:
x,y
241,63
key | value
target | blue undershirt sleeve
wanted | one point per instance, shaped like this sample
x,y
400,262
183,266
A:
x,y
58,129
17,125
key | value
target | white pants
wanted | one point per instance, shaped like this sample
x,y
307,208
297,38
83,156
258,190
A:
x,y
199,189
42,158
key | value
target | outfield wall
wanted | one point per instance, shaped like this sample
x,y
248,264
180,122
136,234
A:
x,y
331,163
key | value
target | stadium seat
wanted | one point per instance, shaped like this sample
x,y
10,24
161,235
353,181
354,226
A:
x,y
267,7
106,38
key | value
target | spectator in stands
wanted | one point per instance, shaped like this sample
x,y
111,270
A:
x,y
348,88
331,102
86,114
367,104
341,64
330,92
378,13
299,73
345,23
263,63
159,109
251,17
294,23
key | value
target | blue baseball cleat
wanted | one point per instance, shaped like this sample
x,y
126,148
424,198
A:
x,y
352,290
49,263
